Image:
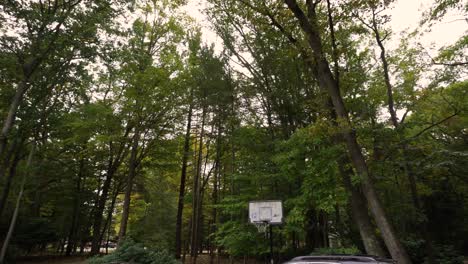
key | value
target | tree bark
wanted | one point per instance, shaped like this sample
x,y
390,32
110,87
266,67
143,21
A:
x,y
196,194
360,215
11,175
18,204
114,164
388,85
108,223
327,81
10,118
183,178
214,197
128,189
76,211
96,241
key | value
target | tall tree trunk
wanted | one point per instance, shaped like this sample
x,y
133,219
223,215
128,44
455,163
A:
x,y
108,222
114,164
128,189
76,211
183,178
196,194
327,81
96,241
18,203
214,197
200,222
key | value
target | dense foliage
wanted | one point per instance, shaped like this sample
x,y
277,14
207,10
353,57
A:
x,y
131,252
119,123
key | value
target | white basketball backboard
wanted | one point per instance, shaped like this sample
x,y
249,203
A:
x,y
270,211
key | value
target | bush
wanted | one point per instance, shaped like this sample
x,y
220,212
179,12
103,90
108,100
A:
x,y
131,252
415,249
443,254
447,255
239,239
331,251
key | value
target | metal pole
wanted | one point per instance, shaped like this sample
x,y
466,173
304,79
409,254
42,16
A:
x,y
271,244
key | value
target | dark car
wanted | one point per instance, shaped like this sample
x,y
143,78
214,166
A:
x,y
340,259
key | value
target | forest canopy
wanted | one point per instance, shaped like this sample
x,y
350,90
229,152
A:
x,y
121,125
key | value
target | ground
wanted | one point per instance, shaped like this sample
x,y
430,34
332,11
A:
x,y
54,260
203,259
81,260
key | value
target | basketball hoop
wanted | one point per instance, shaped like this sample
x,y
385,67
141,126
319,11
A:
x,y
264,214
261,226
268,211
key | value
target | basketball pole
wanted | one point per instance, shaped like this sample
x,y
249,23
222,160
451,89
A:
x,y
271,244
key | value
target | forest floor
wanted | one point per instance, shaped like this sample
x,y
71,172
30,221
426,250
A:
x,y
203,259
54,260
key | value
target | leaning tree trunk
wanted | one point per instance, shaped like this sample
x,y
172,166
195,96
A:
x,y
11,175
327,81
128,189
183,178
10,119
18,203
360,215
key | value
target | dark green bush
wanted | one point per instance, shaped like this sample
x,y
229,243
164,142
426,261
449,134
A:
x,y
415,248
131,252
331,251
443,254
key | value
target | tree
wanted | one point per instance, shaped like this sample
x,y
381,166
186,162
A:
x,y
47,35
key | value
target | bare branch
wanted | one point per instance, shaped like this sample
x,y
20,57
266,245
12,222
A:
x,y
404,116
433,125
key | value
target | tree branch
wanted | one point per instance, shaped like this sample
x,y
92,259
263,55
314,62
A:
x,y
433,125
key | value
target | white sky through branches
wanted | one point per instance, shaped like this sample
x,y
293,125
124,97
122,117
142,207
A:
x,y
406,15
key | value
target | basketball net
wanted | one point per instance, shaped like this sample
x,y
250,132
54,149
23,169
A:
x,y
262,226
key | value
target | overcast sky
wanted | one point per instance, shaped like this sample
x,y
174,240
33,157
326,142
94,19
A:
x,y
406,15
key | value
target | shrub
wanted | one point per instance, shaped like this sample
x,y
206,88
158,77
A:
x,y
239,239
415,249
131,252
331,251
443,254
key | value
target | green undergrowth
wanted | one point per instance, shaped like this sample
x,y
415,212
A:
x,y
135,253
333,251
